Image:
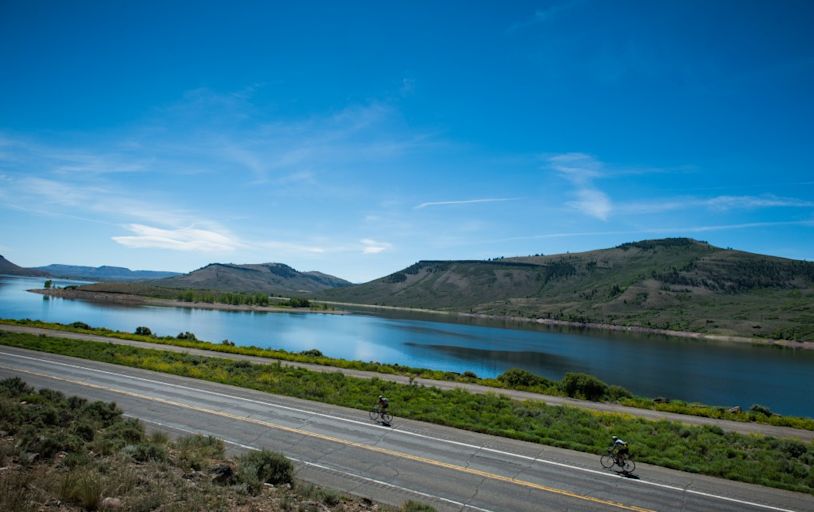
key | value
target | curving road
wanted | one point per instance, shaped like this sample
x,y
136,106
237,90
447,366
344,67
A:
x,y
341,448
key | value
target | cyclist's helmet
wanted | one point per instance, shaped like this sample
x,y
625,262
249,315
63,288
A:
x,y
380,397
615,438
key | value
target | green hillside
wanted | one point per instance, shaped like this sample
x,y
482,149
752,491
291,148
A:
x,y
264,278
677,284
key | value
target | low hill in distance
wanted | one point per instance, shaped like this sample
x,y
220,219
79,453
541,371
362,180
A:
x,y
677,284
103,273
273,278
9,268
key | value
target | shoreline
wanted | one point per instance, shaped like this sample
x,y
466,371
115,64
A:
x,y
140,300
805,345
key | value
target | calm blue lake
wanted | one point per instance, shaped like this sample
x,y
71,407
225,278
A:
x,y
710,372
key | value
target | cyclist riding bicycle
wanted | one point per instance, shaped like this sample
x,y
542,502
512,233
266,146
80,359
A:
x,y
383,403
620,450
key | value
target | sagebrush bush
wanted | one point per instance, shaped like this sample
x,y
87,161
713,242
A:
x,y
257,468
145,452
196,450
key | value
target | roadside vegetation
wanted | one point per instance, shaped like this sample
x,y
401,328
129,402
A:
x,y
72,454
786,464
574,385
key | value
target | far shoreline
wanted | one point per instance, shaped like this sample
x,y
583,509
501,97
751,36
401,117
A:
x,y
805,345
140,300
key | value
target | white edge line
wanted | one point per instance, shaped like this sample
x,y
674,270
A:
x,y
322,466
407,432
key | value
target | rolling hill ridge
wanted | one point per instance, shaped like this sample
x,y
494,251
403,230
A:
x,y
7,267
103,273
675,284
276,278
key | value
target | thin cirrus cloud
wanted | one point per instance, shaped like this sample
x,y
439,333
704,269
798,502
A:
x,y
657,230
181,239
717,203
581,170
67,198
465,201
370,246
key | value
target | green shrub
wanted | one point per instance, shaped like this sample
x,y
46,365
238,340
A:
x,y
45,444
81,325
195,451
129,431
186,335
257,468
616,393
311,353
761,409
582,385
104,412
144,452
75,402
15,387
143,331
517,377
295,302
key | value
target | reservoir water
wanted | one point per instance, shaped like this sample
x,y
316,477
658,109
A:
x,y
710,372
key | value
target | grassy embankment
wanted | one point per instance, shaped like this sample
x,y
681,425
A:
x,y
785,464
575,385
86,456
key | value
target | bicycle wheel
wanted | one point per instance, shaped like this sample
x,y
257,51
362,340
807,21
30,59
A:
x,y
386,417
607,461
374,414
629,466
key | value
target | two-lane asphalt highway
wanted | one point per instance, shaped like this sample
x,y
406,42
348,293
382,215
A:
x,y
341,448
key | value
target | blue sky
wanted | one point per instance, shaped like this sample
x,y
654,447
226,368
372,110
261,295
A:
x,y
358,138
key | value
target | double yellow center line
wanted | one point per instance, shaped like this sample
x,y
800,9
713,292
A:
x,y
377,449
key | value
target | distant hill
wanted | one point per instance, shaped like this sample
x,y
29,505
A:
x,y
264,277
103,273
7,267
677,284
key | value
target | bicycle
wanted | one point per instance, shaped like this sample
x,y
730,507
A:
x,y
611,459
376,414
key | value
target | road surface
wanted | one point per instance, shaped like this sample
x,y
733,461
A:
x,y
728,425
341,448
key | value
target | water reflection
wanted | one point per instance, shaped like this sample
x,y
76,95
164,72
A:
x,y
715,373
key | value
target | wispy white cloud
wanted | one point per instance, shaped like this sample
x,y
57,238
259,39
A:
x,y
659,230
581,170
374,247
593,202
717,203
66,197
181,239
731,202
466,201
